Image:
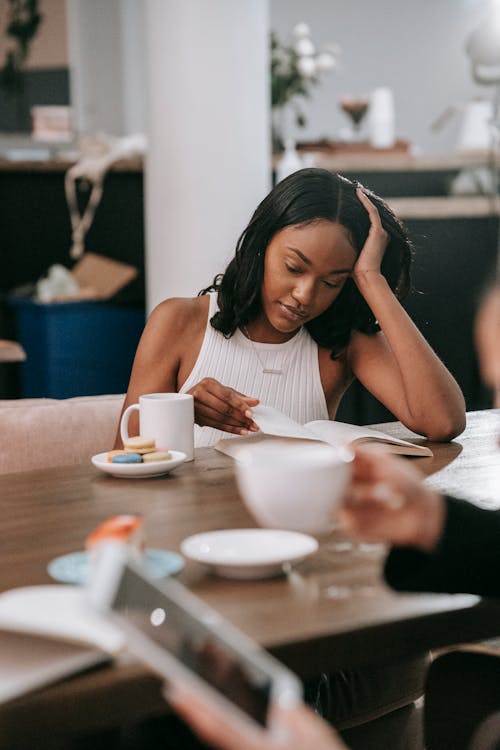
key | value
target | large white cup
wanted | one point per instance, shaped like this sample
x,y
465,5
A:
x,y
167,417
293,486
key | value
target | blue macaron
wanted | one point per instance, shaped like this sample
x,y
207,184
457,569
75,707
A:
x,y
127,458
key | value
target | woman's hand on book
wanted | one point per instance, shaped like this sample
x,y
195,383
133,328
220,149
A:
x,y
216,405
370,257
387,501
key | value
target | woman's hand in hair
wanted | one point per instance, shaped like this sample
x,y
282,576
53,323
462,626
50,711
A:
x,y
217,405
370,257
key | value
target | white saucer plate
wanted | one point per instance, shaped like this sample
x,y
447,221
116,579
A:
x,y
248,553
138,471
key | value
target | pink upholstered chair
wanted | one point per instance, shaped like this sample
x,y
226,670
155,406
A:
x,y
37,433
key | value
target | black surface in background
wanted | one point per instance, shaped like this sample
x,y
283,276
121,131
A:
x,y
398,183
40,87
36,230
454,259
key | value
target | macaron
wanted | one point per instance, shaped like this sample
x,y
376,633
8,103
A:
x,y
112,454
127,458
139,444
156,456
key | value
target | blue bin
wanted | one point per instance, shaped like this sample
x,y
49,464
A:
x,y
76,348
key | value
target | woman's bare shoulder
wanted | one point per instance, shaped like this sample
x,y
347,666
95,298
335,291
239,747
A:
x,y
180,315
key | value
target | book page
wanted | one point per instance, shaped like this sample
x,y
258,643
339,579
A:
x,y
59,611
341,433
273,422
29,662
275,425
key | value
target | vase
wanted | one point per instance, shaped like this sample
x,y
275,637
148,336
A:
x,y
279,130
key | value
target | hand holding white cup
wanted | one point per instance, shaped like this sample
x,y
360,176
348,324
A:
x,y
166,417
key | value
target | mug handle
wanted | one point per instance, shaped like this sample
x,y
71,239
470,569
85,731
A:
x,y
124,421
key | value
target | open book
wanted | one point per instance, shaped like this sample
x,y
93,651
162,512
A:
x,y
48,633
273,424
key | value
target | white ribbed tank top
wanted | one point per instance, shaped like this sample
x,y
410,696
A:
x,y
297,392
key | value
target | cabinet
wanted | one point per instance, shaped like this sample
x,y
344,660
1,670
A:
x,y
76,348
35,233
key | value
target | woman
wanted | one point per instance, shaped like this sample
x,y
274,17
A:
x,y
309,302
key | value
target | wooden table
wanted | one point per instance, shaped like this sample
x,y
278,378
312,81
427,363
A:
x,y
49,513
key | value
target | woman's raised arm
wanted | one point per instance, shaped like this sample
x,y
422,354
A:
x,y
397,365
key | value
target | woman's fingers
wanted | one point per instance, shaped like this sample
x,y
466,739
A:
x,y
231,406
365,463
373,464
373,250
293,728
249,399
206,417
375,222
299,728
222,407
211,726
375,498
388,501
370,207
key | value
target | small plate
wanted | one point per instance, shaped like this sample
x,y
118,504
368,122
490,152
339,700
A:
x,y
248,553
138,471
73,568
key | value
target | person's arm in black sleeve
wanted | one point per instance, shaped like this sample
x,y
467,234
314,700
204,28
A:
x,y
466,560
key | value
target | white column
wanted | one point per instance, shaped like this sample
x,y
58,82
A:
x,y
106,43
95,52
133,66
208,127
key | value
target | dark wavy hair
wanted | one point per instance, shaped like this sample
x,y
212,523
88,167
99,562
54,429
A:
x,y
301,198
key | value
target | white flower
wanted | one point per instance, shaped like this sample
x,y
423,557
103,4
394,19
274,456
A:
x,y
307,67
301,30
325,62
304,47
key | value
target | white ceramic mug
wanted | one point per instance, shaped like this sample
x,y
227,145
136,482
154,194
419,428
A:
x,y
166,417
295,486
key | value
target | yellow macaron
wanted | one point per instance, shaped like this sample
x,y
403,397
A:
x,y
157,456
139,444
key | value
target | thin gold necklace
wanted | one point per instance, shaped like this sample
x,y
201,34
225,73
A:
x,y
266,370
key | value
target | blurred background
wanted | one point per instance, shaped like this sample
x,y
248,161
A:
x,y
417,49
145,133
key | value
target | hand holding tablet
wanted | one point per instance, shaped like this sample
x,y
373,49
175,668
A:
x,y
193,647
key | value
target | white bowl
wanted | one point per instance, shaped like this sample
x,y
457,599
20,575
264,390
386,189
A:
x,y
296,487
